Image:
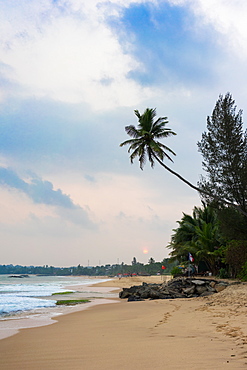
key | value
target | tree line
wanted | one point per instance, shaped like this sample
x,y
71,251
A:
x,y
151,268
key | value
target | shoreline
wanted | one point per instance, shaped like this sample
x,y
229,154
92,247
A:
x,y
205,333
13,323
98,293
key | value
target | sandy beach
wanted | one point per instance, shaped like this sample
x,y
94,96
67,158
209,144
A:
x,y
198,333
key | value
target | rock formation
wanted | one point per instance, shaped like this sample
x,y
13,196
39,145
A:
x,y
176,288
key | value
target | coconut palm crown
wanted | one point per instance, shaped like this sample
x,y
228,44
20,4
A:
x,y
144,143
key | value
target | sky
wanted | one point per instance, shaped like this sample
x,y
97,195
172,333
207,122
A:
x,y
72,72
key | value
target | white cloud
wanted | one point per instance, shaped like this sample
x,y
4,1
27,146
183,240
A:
x,y
66,51
69,55
224,16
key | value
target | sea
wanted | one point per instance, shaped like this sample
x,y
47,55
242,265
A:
x,y
28,301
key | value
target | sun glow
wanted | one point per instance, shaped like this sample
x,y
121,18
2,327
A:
x,y
145,250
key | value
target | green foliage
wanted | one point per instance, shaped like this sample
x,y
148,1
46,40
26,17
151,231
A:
x,y
224,151
243,273
62,293
144,142
233,224
134,262
145,145
236,256
71,302
198,234
104,270
176,271
223,274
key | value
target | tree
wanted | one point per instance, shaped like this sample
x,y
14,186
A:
x,y
134,262
224,151
200,235
144,144
236,256
233,224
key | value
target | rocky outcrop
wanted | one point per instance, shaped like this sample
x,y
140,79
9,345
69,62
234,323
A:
x,y
180,287
19,276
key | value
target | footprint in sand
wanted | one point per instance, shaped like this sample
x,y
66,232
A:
x,y
164,320
167,315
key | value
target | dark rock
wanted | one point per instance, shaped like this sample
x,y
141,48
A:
x,y
176,288
220,286
124,293
190,290
133,298
206,293
19,276
201,289
198,282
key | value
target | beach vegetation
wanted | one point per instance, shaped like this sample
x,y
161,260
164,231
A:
x,y
236,256
200,235
243,273
71,302
61,293
223,273
176,271
223,188
216,234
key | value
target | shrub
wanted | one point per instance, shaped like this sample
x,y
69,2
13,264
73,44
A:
x,y
236,256
223,274
243,274
176,271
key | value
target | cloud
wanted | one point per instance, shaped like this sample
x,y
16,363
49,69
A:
x,y
225,17
66,51
42,192
38,190
179,54
90,178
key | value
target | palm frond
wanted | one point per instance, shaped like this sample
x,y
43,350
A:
x,y
165,133
150,157
137,113
134,154
146,120
132,131
155,147
142,156
127,142
166,149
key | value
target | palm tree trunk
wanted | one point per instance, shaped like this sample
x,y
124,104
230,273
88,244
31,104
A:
x,y
198,189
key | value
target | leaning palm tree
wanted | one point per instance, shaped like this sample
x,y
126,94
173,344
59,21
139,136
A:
x,y
144,144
